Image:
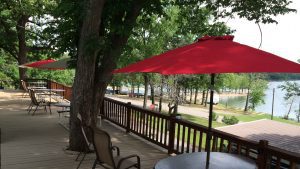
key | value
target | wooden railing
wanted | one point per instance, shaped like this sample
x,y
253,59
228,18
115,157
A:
x,y
181,136
67,93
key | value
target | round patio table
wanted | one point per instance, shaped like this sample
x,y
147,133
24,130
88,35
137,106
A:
x,y
198,160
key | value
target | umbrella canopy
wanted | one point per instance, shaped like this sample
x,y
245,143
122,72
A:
x,y
213,55
36,64
56,65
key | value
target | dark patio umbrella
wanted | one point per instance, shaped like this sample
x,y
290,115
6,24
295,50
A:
x,y
211,55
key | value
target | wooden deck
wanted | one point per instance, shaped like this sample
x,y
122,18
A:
x,y
39,142
281,135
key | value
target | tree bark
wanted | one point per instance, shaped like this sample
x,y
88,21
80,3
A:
x,y
191,95
161,93
22,57
203,97
92,72
146,83
152,93
196,95
206,98
138,91
82,94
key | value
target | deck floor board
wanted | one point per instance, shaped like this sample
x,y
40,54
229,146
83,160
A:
x,y
39,142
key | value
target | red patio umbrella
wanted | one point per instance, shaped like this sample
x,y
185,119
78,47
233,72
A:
x,y
37,64
211,55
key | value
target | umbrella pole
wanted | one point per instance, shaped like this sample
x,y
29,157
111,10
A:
x,y
209,134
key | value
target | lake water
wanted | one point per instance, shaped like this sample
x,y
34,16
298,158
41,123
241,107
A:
x,y
280,105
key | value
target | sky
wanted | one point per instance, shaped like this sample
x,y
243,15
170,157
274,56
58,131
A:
x,y
282,39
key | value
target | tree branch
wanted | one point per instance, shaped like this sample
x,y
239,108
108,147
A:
x,y
10,51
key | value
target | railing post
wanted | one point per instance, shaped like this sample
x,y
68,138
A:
x,y
171,134
128,112
262,154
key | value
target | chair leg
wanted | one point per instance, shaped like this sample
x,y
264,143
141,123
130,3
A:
x,y
29,106
78,156
35,110
81,160
50,109
94,165
45,109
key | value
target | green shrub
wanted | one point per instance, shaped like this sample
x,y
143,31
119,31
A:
x,y
214,116
230,120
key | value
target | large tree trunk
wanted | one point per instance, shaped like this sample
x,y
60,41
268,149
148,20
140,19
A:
x,y
82,95
22,58
92,76
146,83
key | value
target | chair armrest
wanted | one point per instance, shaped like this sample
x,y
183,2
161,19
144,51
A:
x,y
128,157
116,148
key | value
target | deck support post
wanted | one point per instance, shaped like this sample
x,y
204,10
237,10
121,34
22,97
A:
x,y
262,158
171,134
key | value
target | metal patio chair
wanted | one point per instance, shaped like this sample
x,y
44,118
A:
x,y
104,153
86,141
37,103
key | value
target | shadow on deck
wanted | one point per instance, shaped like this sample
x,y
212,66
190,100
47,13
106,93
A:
x,y
39,142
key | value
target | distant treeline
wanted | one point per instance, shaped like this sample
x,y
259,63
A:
x,y
282,76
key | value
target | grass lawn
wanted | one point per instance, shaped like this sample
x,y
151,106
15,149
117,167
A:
x,y
201,121
252,116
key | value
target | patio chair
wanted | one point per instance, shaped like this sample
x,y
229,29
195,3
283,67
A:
x,y
37,103
25,88
104,153
86,141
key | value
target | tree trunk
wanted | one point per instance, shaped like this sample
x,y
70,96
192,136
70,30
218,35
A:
x,y
152,93
247,101
196,95
290,108
138,91
191,95
185,90
161,93
203,97
177,99
206,98
248,94
146,83
114,89
83,87
22,57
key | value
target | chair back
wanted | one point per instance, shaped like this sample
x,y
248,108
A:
x,y
23,83
32,97
83,131
102,144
